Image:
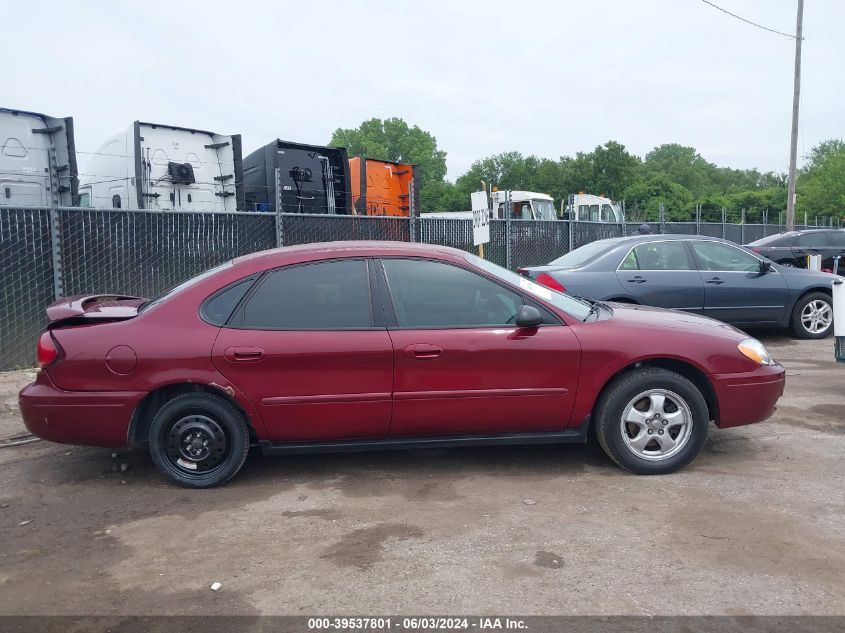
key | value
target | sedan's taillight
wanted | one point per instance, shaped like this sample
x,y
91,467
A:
x,y
754,249
550,282
47,351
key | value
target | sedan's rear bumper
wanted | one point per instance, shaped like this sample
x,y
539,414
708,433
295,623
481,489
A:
x,y
748,397
90,418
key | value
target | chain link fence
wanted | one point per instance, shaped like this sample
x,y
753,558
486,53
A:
x,y
50,253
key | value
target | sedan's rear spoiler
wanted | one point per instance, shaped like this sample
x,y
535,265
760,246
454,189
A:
x,y
93,307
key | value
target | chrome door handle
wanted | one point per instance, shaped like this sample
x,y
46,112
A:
x,y
715,280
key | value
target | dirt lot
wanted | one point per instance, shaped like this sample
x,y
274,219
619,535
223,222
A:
x,y
754,526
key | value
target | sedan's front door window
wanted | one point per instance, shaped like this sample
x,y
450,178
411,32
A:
x,y
428,294
811,240
715,256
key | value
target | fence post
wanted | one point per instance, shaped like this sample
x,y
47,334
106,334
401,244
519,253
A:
x,y
572,212
742,228
662,210
698,219
624,220
280,234
724,223
507,229
55,228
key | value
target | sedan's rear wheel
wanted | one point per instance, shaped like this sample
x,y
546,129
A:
x,y
812,316
652,421
199,440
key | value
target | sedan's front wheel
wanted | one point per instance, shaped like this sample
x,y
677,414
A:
x,y
199,440
652,421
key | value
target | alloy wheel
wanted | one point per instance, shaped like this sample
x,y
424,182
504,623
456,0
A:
x,y
816,316
656,424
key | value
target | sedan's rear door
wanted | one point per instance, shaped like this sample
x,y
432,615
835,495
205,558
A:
x,y
312,354
660,273
735,289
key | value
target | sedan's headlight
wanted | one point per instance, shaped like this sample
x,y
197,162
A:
x,y
754,349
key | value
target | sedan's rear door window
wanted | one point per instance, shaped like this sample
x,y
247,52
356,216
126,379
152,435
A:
x,y
669,255
332,295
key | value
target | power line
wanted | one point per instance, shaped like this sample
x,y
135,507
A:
x,y
759,26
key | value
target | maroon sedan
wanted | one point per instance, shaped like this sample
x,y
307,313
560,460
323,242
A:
x,y
365,346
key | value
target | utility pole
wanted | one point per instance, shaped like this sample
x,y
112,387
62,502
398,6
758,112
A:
x,y
793,144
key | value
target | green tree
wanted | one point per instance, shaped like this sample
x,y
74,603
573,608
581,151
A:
x,y
680,164
647,195
393,139
821,184
611,169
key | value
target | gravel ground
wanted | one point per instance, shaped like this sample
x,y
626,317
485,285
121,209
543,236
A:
x,y
753,526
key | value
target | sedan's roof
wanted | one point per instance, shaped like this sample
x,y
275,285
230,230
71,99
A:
x,y
350,248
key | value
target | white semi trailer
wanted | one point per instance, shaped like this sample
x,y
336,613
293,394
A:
x,y
165,168
37,160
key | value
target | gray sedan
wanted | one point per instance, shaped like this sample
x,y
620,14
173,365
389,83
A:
x,y
698,274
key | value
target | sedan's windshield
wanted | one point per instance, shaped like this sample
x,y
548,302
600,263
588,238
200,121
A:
x,y
576,307
185,284
582,255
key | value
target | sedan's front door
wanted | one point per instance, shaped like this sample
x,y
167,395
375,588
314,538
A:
x,y
310,352
462,367
660,273
735,288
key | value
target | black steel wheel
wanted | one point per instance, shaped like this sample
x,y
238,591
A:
x,y
199,440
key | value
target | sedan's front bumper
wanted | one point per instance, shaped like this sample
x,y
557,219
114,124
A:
x,y
748,397
89,418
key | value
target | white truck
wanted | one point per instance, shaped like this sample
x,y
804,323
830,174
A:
x,y
524,205
590,208
165,168
37,160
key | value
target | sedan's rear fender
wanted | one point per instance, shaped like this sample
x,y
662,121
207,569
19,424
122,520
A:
x,y
209,381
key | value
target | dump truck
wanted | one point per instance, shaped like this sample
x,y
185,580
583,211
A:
x,y
312,179
165,168
381,187
37,160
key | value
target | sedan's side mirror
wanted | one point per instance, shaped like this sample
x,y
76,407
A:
x,y
528,316
765,265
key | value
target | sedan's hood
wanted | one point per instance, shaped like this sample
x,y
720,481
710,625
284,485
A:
x,y
676,320
798,277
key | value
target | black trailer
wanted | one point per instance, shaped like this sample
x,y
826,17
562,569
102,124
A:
x,y
312,179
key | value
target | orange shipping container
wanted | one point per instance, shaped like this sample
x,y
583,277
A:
x,y
382,187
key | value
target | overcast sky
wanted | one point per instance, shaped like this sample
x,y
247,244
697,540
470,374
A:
x,y
545,78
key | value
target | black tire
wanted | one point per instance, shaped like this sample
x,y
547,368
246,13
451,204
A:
x,y
797,323
625,390
199,440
